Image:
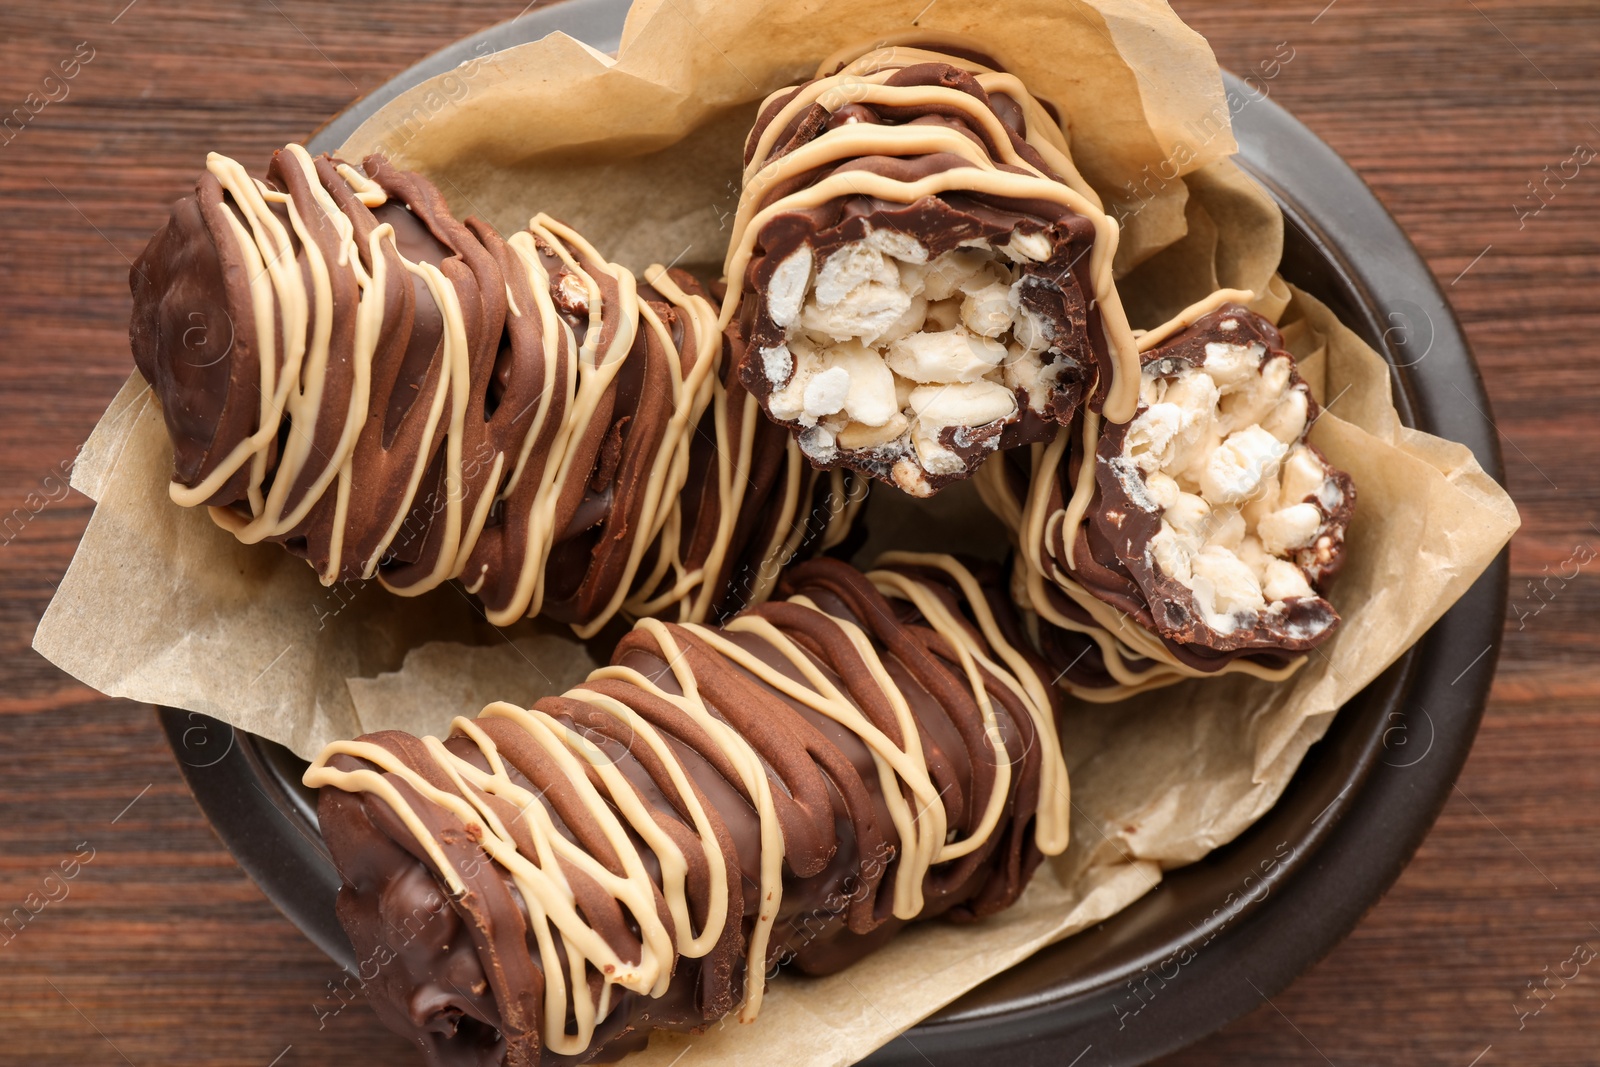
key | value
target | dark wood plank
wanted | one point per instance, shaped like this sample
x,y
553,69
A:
x,y
160,951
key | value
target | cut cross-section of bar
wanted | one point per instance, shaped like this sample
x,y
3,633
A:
x,y
1228,518
918,276
1198,537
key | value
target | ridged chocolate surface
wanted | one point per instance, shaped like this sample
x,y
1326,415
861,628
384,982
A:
x,y
346,369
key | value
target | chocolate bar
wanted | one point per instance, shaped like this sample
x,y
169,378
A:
x,y
918,276
1210,527
552,884
346,369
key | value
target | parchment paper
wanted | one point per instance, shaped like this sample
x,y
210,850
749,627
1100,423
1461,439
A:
x,y
641,153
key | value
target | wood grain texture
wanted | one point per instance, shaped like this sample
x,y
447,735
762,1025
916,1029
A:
x,y
160,951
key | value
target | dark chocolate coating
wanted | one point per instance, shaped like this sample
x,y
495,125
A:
x,y
458,975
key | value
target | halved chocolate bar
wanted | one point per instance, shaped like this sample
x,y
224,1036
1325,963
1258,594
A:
x,y
1209,526
918,276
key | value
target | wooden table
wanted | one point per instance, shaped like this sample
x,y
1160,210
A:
x,y
158,950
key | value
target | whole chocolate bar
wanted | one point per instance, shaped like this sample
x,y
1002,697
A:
x,y
1208,530
917,274
550,885
346,369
